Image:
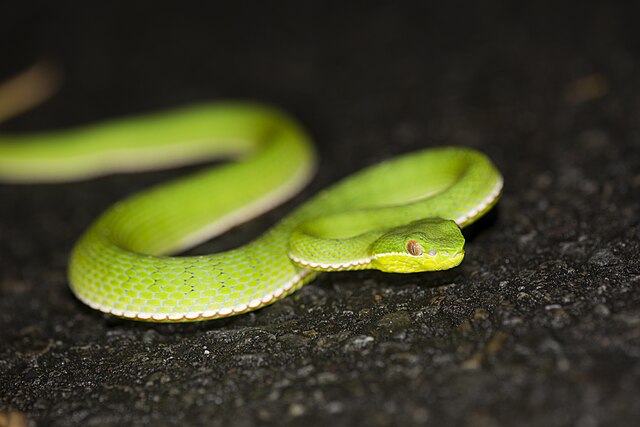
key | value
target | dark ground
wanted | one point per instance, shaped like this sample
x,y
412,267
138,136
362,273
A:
x,y
540,326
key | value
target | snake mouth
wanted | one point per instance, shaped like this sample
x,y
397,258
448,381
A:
x,y
396,262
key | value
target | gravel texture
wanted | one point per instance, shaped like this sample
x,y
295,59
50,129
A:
x,y
540,326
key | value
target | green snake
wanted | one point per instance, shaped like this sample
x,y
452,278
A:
x,y
401,215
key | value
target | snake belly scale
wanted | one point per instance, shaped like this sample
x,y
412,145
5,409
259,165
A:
x,y
401,215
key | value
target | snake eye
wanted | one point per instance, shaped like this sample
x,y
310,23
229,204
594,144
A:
x,y
414,248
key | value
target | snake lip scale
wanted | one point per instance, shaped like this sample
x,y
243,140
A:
x,y
401,215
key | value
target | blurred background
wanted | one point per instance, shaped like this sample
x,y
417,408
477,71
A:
x,y
384,72
538,327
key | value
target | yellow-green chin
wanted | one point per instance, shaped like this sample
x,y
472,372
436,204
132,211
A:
x,y
406,263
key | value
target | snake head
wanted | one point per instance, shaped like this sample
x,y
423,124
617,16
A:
x,y
426,245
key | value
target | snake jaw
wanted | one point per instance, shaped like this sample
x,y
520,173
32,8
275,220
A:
x,y
398,262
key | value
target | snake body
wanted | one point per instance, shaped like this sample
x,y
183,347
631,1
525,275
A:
x,y
402,215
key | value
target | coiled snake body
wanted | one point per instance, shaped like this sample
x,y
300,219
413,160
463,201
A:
x,y
402,215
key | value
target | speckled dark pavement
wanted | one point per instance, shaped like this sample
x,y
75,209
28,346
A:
x,y
540,326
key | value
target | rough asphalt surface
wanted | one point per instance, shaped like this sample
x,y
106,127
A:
x,y
540,326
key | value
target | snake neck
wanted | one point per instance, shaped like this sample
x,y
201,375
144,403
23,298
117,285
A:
x,y
321,254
